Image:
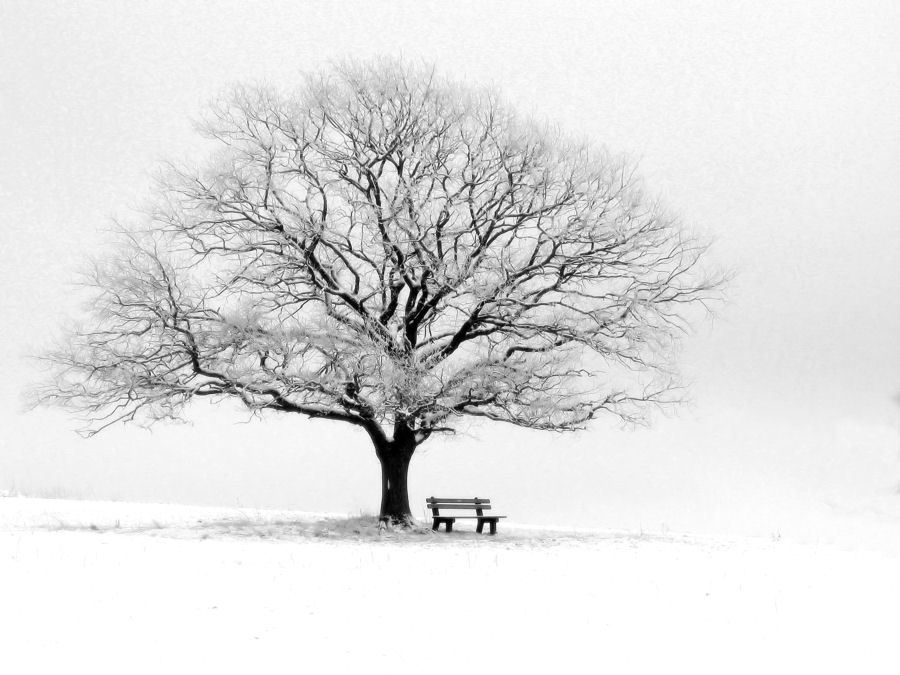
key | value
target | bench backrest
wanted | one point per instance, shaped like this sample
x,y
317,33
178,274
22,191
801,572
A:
x,y
476,503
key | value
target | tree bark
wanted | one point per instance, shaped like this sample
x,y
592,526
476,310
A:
x,y
395,457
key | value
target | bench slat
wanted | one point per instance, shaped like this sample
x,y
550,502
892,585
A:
x,y
468,517
448,500
458,506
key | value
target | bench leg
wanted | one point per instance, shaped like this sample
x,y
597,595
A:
x,y
449,526
493,527
435,525
480,527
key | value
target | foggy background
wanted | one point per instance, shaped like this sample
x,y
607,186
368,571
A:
x,y
773,127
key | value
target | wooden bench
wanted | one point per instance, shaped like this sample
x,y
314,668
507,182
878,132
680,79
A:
x,y
436,504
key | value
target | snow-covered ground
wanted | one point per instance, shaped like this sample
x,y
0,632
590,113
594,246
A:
x,y
134,588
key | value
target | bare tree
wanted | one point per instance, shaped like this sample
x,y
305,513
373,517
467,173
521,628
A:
x,y
394,252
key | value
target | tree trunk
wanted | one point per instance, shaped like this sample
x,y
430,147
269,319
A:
x,y
395,457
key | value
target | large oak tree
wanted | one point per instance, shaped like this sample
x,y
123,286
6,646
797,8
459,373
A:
x,y
388,250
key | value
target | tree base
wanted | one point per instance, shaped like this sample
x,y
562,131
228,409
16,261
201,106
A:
x,y
391,523
399,524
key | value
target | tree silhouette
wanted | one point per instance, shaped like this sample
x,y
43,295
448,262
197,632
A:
x,y
394,252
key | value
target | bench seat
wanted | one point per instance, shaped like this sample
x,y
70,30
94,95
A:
x,y
436,504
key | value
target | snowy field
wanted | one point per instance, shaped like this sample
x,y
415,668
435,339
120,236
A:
x,y
133,588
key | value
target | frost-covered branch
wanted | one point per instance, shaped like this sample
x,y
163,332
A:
x,y
383,248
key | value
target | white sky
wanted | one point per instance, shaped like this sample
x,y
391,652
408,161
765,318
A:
x,y
772,126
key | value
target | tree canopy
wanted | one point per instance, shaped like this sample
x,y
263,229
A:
x,y
383,248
